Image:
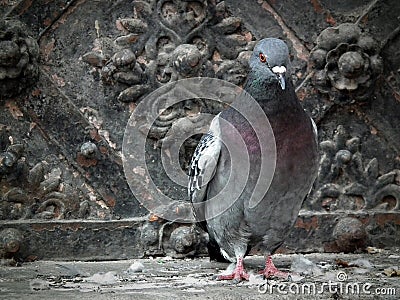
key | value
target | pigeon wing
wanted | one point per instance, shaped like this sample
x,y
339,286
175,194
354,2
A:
x,y
202,169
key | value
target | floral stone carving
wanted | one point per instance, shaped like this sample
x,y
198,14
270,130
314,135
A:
x,y
347,181
18,58
346,63
164,41
40,190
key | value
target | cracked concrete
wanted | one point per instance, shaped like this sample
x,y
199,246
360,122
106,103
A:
x,y
316,276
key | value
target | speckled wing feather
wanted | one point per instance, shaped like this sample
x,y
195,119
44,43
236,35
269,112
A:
x,y
315,130
202,168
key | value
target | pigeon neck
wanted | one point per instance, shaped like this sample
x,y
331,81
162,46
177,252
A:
x,y
270,95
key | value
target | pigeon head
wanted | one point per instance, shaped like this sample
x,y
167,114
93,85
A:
x,y
270,61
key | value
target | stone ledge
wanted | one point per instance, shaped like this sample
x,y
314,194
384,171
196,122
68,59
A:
x,y
139,237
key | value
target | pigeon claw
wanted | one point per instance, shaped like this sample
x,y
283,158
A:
x,y
235,276
272,271
238,274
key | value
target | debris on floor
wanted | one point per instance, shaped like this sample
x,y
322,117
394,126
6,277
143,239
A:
x,y
322,275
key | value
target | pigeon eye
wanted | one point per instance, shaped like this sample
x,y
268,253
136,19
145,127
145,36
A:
x,y
263,58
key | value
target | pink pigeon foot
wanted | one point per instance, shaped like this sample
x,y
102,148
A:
x,y
238,274
271,271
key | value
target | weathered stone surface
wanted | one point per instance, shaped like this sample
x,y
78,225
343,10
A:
x,y
19,54
347,63
61,143
151,236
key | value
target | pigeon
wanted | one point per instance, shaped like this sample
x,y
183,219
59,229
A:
x,y
243,224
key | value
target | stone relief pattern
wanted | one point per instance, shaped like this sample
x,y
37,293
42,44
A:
x,y
19,55
346,63
187,39
46,190
164,41
348,181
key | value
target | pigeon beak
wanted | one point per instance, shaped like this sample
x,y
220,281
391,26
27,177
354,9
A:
x,y
281,80
280,71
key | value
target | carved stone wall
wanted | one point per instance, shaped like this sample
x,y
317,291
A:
x,y
73,71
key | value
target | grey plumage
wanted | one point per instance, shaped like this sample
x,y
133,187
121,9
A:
x,y
239,226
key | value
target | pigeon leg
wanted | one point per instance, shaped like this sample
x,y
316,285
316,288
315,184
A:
x,y
238,274
272,271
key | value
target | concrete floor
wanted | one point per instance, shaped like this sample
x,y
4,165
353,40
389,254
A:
x,y
324,277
